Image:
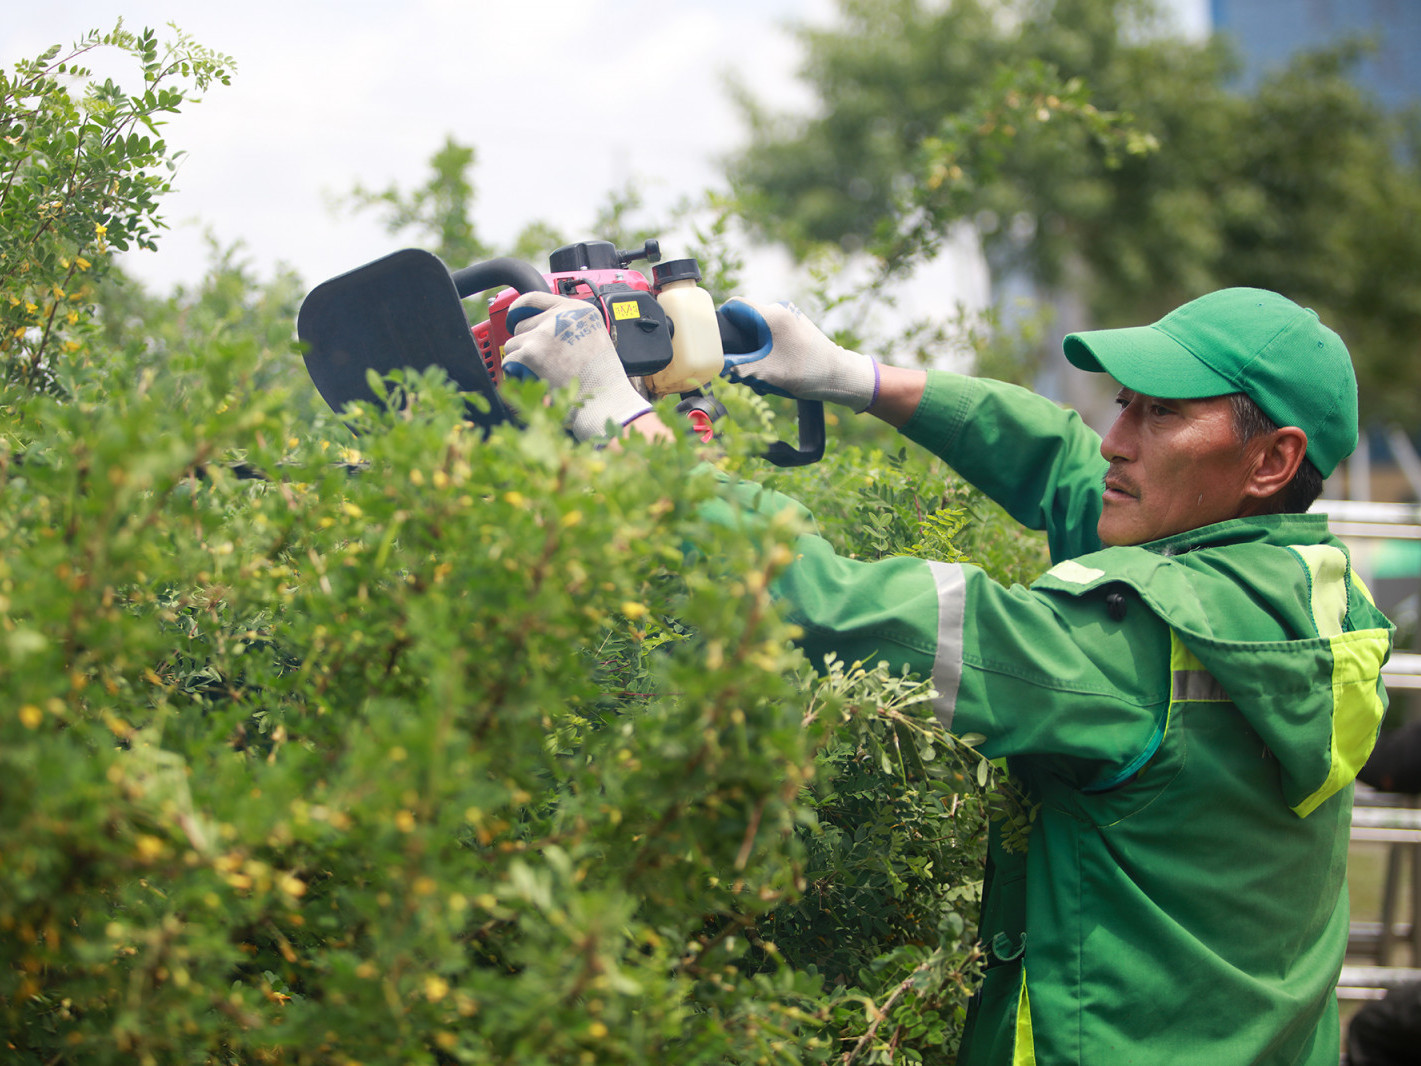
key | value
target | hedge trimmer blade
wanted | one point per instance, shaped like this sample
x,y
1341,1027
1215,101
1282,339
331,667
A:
x,y
401,311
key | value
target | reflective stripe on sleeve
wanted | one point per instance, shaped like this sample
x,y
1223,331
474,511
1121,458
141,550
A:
x,y
951,582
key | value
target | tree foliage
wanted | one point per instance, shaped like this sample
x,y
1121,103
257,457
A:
x,y
439,211
1102,157
82,166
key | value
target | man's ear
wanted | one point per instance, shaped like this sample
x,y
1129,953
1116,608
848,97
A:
x,y
1276,458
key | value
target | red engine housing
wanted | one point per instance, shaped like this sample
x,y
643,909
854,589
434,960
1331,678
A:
x,y
608,289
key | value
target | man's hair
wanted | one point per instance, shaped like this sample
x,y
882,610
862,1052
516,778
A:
x,y
1297,495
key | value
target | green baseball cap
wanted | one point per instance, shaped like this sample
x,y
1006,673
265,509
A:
x,y
1239,340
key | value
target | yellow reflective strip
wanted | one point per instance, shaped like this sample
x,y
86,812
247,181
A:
x,y
1189,681
1327,567
1180,657
1074,572
1357,709
1024,1054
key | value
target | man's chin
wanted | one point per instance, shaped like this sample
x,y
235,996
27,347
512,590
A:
x,y
1114,532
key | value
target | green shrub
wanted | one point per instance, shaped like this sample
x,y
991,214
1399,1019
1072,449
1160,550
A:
x,y
458,749
452,757
424,757
893,862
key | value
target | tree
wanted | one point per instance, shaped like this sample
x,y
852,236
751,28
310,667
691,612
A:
x,y
161,332
80,177
928,112
439,211
1165,182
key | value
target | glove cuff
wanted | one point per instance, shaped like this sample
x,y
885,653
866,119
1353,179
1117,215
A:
x,y
596,407
853,383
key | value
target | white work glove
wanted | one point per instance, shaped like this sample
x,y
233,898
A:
x,y
794,358
564,342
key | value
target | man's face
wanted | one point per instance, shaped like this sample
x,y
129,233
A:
x,y
1175,465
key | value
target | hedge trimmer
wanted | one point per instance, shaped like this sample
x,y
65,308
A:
x,y
405,311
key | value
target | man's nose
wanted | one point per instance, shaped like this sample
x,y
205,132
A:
x,y
1116,445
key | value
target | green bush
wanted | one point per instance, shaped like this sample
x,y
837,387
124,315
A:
x,y
448,758
423,757
458,749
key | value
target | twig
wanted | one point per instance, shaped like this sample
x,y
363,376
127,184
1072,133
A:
x,y
880,1013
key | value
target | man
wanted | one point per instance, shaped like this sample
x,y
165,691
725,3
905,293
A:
x,y
1188,692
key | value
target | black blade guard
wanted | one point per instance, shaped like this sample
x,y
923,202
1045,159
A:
x,y
401,311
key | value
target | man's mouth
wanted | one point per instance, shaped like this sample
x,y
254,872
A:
x,y
1118,489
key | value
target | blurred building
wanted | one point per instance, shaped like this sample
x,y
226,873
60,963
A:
x,y
1269,32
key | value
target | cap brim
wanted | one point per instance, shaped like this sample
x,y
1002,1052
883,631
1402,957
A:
x,y
1146,360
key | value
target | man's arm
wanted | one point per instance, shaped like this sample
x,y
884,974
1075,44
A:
x,y
1038,460
1041,463
1034,673
900,391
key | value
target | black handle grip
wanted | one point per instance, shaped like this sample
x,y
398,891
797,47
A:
x,y
513,273
811,438
810,412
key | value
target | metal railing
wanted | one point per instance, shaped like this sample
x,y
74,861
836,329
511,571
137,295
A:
x,y
1372,520
1392,819
1402,671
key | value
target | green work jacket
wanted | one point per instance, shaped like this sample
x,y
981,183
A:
x,y
1188,713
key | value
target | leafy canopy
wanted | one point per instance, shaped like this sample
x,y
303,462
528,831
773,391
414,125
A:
x,y
1102,157
82,167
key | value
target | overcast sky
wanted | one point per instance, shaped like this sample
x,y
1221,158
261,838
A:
x,y
563,101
